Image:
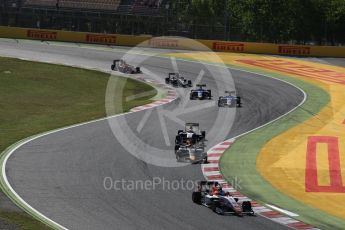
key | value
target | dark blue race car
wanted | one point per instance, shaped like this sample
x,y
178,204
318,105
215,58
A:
x,y
200,93
230,100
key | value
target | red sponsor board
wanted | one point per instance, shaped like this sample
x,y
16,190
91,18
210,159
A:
x,y
163,43
294,50
228,46
42,34
101,39
298,69
311,182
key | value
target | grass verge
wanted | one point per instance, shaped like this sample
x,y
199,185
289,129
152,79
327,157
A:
x,y
37,97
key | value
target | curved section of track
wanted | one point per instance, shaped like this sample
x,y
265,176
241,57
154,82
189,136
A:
x,y
61,174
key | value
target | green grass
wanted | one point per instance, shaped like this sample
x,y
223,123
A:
x,y
37,97
240,160
22,220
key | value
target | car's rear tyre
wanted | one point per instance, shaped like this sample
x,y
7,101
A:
x,y
177,146
196,197
205,160
203,134
112,67
247,206
239,102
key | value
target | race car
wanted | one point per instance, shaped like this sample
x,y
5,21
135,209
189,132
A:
x,y
121,66
230,100
190,144
200,93
211,195
178,81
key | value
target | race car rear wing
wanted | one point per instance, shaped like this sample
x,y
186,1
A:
x,y
174,74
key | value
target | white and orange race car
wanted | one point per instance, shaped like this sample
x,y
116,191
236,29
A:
x,y
210,194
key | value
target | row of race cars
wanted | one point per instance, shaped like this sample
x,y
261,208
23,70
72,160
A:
x,y
190,145
176,80
190,142
200,93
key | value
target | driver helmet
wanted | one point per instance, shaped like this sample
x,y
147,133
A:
x,y
219,187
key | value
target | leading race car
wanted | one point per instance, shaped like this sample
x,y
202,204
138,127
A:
x,y
200,93
190,144
178,81
230,100
211,195
121,66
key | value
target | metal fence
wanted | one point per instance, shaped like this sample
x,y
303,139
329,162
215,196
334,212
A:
x,y
164,23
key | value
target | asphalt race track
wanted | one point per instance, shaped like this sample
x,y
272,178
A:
x,y
62,174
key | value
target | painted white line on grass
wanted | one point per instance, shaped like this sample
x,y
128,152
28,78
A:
x,y
282,210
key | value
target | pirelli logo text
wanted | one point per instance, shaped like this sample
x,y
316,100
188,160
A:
x,y
294,50
101,39
42,34
296,68
228,46
163,43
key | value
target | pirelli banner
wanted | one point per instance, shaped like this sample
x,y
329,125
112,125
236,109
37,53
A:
x,y
277,49
69,36
171,43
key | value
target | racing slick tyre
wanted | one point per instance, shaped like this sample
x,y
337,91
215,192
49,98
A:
x,y
205,160
167,81
112,67
190,83
203,134
177,141
196,197
177,147
247,208
239,103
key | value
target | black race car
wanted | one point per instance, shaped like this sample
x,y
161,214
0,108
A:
x,y
190,144
200,93
230,100
178,81
121,66
211,195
